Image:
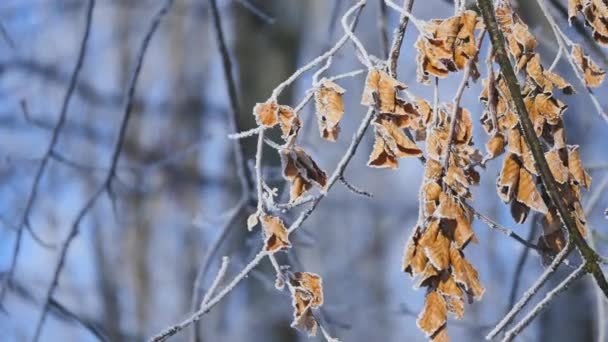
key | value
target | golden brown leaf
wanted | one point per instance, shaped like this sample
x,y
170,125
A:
x,y
465,274
594,76
434,314
330,108
495,146
277,236
266,114
509,177
558,169
578,173
528,194
549,107
385,87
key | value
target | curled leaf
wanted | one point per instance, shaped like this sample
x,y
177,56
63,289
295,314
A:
x,y
330,108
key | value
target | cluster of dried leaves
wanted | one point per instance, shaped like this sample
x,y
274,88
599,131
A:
x,y
595,13
434,253
302,173
518,183
447,45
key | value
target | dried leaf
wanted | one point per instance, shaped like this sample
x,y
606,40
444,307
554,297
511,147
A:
x,y
290,124
528,194
549,107
594,76
494,147
509,177
465,274
330,108
266,114
277,236
385,86
301,170
578,173
558,169
434,314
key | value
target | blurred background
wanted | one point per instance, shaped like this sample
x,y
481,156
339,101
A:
x,y
130,271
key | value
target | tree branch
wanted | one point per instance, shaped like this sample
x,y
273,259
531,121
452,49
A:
x,y
24,221
107,182
551,187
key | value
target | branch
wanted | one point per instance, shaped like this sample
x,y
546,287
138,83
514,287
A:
x,y
47,156
106,184
559,258
172,330
551,187
398,37
543,304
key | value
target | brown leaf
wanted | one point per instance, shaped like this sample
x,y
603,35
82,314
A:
x,y
330,108
381,155
528,194
277,236
558,169
448,288
448,207
303,318
434,314
495,147
385,86
310,283
465,274
266,114
509,177
301,170
549,107
578,173
414,260
290,123
594,76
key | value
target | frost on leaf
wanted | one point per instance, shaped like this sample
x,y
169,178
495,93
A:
x,y
307,294
518,182
578,173
446,45
594,76
290,124
385,86
266,114
595,13
390,143
434,315
277,236
330,108
301,171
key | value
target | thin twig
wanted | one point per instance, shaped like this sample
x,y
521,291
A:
x,y
355,189
382,28
221,273
245,179
47,156
559,258
398,37
106,184
521,262
543,304
508,232
172,330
